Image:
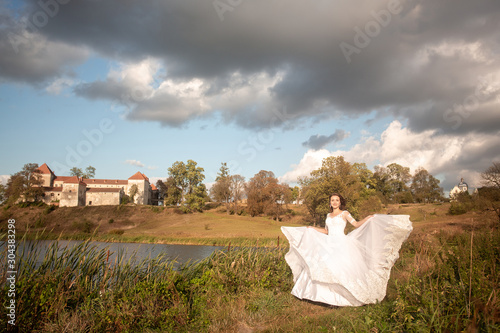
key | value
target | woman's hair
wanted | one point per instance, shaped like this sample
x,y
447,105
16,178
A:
x,y
342,201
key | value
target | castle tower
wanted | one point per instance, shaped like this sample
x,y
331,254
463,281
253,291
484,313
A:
x,y
143,196
73,192
46,176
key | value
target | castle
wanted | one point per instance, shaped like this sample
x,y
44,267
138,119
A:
x,y
70,191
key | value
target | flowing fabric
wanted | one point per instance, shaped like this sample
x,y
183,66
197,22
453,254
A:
x,y
345,270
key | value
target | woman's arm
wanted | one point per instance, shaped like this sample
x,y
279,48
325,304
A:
x,y
322,230
355,223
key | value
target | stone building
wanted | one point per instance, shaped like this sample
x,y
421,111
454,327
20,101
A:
x,y
462,187
74,191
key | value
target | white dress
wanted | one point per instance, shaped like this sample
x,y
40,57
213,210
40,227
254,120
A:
x,y
345,270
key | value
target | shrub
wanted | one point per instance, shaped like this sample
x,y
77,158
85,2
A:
x,y
85,226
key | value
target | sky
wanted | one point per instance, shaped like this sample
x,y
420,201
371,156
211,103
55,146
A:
x,y
129,85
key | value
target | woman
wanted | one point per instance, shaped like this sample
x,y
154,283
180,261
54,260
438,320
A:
x,y
345,270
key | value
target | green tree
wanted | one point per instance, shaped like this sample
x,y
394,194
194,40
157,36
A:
x,y
76,172
25,184
425,188
392,182
188,177
173,194
89,172
295,193
162,190
221,190
335,175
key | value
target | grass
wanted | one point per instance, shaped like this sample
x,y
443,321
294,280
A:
x,y
446,280
146,224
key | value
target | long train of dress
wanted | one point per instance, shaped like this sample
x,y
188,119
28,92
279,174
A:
x,y
345,270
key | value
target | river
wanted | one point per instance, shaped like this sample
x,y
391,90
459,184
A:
x,y
180,253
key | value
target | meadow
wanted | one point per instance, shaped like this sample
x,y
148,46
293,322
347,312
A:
x,y
446,280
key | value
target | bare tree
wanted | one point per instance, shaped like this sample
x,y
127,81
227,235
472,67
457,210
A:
x,y
490,193
237,188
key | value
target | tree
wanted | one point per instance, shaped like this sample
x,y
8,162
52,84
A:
x,y
76,172
173,194
132,192
188,178
490,193
295,193
335,175
392,182
162,190
89,172
491,176
237,188
425,188
221,190
259,189
279,195
25,184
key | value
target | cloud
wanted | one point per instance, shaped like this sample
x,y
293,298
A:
x,y
418,64
56,87
30,56
135,163
319,141
446,156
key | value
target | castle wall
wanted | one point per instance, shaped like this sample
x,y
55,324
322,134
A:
x,y
103,198
52,196
72,195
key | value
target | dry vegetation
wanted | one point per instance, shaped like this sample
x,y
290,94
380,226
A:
x,y
214,226
446,279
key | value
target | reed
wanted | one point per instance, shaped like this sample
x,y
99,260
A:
x,y
442,282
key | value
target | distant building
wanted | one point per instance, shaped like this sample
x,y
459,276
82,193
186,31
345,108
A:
x,y
460,188
71,191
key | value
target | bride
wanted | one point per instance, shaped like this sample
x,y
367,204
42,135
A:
x,y
345,270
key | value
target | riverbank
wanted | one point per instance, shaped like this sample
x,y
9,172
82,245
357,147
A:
x,y
148,224
446,280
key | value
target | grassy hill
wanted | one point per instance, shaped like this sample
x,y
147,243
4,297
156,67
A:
x,y
214,226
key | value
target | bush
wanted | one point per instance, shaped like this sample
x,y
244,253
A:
x,y
85,226
457,208
49,209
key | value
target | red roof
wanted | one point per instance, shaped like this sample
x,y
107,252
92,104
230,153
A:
x,y
74,180
105,181
153,187
139,176
63,178
44,168
97,189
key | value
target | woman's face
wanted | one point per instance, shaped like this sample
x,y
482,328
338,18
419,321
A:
x,y
335,202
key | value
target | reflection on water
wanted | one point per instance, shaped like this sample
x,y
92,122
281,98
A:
x,y
180,253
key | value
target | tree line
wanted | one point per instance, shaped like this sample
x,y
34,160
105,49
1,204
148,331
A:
x,y
365,190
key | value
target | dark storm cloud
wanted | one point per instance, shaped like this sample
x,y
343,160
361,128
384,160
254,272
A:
x,y
415,59
319,141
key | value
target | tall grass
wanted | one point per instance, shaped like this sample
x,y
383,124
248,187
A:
x,y
442,282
